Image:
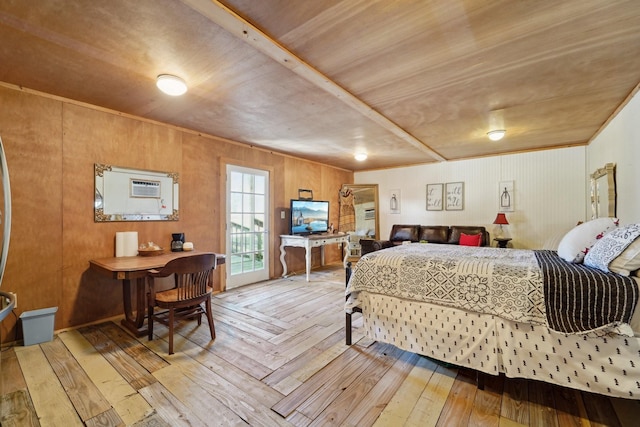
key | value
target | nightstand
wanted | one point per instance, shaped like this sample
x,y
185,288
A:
x,y
502,242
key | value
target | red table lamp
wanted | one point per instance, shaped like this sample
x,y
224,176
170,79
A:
x,y
501,220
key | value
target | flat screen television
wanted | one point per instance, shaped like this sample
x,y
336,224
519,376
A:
x,y
309,216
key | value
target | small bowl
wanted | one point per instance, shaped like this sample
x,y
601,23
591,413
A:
x,y
150,252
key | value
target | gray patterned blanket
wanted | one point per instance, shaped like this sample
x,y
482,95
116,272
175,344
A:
x,y
506,283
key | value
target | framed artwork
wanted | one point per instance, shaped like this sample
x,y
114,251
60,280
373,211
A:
x,y
454,196
505,196
394,201
434,197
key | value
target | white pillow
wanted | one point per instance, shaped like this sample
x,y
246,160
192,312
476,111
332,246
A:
x,y
628,261
611,246
577,242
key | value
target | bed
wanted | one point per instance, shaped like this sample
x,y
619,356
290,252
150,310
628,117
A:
x,y
524,313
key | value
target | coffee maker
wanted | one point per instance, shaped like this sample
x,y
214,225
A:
x,y
176,243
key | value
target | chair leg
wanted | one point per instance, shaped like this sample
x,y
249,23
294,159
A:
x,y
171,320
212,328
150,323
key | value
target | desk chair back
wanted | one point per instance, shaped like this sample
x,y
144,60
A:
x,y
192,288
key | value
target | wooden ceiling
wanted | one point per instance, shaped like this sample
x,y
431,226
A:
x,y
407,81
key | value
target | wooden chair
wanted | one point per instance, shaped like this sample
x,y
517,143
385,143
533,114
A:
x,y
193,287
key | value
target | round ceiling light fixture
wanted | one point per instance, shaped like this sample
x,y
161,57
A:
x,y
171,85
361,157
496,135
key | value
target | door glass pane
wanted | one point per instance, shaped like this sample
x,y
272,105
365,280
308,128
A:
x,y
247,240
248,202
247,262
259,244
236,264
236,202
236,181
247,183
260,184
236,243
259,222
247,222
236,222
259,204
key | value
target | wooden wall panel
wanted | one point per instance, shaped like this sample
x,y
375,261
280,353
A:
x,y
31,132
90,137
201,211
325,182
52,146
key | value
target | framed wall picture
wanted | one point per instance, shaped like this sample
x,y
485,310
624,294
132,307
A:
x,y
434,197
394,201
505,196
454,196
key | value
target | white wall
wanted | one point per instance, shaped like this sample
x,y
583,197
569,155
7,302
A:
x,y
551,187
549,193
619,143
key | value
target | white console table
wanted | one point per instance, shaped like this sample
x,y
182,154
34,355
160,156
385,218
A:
x,y
312,241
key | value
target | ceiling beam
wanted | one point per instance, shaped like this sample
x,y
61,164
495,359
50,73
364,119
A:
x,y
238,26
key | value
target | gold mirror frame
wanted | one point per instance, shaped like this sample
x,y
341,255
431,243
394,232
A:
x,y
366,207
603,192
123,194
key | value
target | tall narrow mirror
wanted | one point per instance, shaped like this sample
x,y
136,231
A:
x,y
365,205
603,192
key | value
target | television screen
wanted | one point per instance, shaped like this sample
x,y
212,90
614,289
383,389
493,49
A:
x,y
309,216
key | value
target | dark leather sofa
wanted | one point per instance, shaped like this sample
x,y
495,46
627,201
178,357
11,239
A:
x,y
430,233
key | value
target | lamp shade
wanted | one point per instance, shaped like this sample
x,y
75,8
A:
x,y
501,219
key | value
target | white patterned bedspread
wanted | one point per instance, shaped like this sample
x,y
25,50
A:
x,y
457,276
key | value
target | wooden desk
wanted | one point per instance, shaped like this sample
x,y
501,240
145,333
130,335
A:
x,y
312,241
135,267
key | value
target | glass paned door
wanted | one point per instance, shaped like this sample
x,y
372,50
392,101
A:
x,y
247,225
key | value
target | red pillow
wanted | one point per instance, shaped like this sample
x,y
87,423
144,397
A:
x,y
470,240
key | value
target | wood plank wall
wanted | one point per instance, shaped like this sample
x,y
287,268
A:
x,y
51,146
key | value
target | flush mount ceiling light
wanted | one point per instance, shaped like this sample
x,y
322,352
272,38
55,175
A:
x,y
171,85
361,157
496,135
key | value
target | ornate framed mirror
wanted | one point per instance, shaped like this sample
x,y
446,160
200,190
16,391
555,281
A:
x,y
365,205
123,194
603,192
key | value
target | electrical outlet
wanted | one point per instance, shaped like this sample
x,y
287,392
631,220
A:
x,y
15,297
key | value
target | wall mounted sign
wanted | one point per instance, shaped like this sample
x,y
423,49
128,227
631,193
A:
x,y
505,196
454,196
434,197
394,201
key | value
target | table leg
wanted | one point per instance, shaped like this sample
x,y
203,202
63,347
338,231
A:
x,y
345,249
282,260
134,324
307,259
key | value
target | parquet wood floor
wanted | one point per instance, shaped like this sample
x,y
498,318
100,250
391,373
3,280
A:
x,y
279,359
